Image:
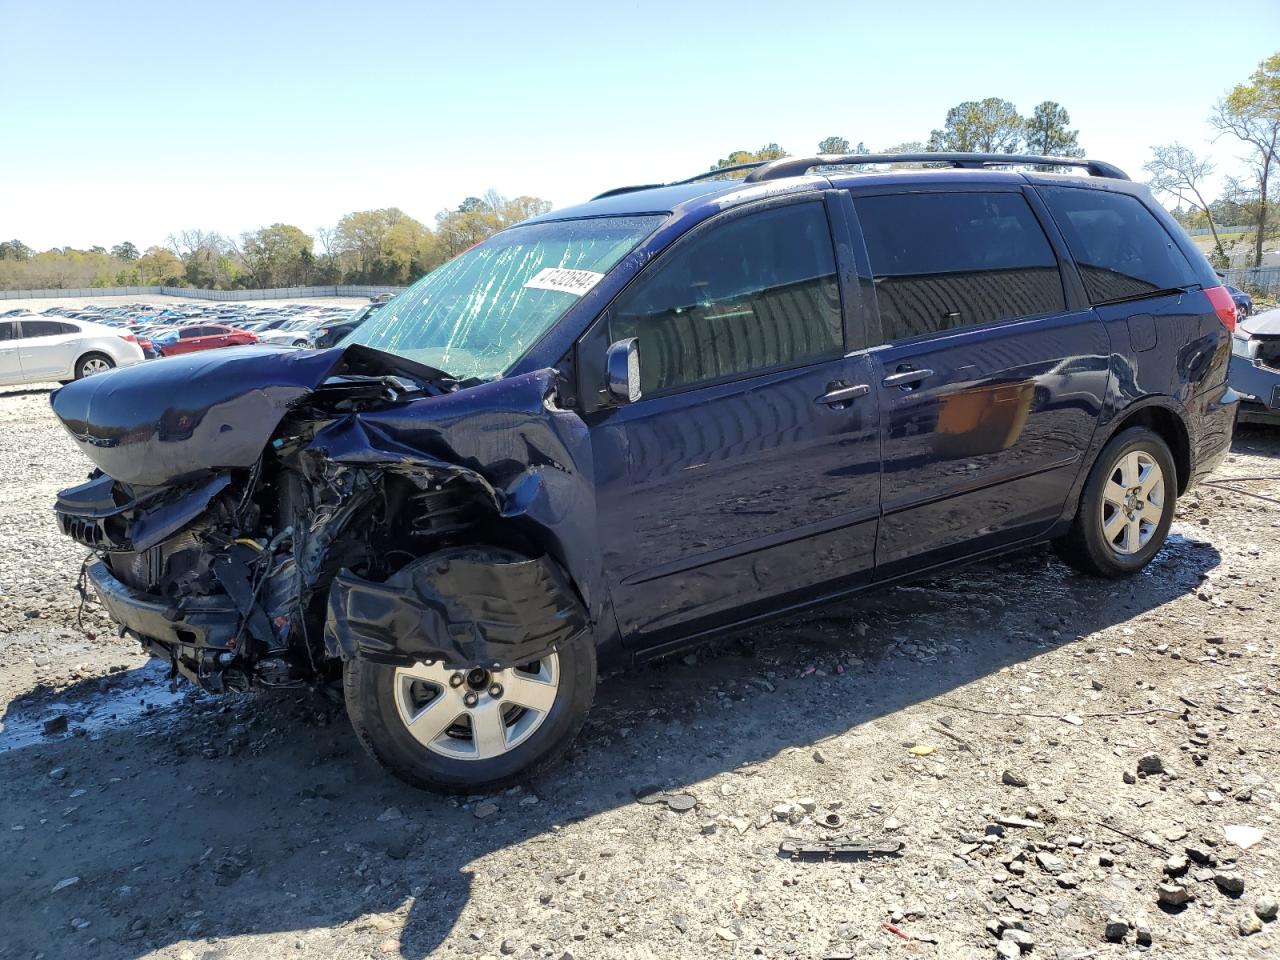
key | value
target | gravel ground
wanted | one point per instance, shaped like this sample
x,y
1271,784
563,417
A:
x,y
1047,748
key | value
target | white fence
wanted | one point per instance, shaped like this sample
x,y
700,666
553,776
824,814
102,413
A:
x,y
190,293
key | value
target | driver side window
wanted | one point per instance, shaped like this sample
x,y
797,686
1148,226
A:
x,y
756,293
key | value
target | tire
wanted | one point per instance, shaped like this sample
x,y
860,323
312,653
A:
x,y
1116,531
92,363
376,693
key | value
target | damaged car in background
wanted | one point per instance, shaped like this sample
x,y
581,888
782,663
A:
x,y
617,429
1255,367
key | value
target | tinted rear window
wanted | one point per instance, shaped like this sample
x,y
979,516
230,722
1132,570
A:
x,y
1122,250
948,260
45,328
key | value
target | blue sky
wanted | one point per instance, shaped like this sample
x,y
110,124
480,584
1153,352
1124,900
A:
x,y
130,120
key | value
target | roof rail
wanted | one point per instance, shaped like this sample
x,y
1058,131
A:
x,y
796,166
619,190
712,174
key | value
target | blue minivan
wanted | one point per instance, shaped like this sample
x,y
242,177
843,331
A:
x,y
622,427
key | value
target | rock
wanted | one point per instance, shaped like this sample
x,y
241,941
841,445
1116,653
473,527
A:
x,y
819,757
58,773
1116,929
1242,836
486,809
1018,822
724,933
509,947
1068,881
808,804
1201,855
1176,865
1173,895
1249,925
63,884
1011,778
1021,938
1142,931
1097,684
1050,864
390,814
1229,882
1008,950
1129,778
1150,763
1265,908
54,726
709,828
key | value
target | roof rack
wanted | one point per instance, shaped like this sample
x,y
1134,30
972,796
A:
x,y
796,166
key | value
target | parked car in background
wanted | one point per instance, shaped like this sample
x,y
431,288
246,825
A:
x,y
331,331
1244,302
1255,367
742,399
201,336
35,349
295,333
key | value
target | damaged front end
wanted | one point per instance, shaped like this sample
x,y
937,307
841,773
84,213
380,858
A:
x,y
260,515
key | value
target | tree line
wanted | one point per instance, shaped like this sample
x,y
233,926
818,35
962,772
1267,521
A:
x,y
384,246
388,246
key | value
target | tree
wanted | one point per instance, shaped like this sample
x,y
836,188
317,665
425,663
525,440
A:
x,y
770,151
125,251
382,246
14,250
277,256
1177,172
471,205
985,126
1047,134
160,266
834,145
1250,112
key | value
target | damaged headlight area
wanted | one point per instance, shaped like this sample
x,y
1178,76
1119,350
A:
x,y
338,541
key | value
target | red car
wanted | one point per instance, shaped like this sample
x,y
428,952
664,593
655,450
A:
x,y
204,336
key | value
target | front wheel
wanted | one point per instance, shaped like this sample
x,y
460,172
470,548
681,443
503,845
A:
x,y
1126,507
476,730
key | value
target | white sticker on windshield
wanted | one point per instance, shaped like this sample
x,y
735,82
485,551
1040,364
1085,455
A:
x,y
565,280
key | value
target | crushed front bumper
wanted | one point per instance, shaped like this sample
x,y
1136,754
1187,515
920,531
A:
x,y
209,623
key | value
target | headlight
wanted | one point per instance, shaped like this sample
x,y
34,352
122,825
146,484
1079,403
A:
x,y
1244,347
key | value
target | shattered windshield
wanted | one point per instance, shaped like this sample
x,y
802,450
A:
x,y
477,314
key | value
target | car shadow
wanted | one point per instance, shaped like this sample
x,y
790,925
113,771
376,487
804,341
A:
x,y
27,391
240,819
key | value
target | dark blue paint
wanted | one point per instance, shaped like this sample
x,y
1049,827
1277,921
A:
x,y
679,515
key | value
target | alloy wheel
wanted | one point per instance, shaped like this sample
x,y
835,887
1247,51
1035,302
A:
x,y
475,714
94,365
1133,501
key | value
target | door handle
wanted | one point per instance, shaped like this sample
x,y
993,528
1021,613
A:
x,y
842,393
906,378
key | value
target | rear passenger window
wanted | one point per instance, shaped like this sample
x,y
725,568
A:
x,y
1120,247
756,293
45,328
948,260
8,331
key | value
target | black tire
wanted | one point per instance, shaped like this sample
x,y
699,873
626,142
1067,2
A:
x,y
370,696
1085,546
92,357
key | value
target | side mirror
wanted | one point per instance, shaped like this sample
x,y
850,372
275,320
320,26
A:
x,y
622,365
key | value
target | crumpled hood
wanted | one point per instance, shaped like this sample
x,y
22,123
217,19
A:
x,y
153,422
1264,324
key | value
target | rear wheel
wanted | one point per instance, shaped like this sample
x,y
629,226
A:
x,y
93,363
464,731
1126,507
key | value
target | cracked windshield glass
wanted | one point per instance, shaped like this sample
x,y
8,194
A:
x,y
477,314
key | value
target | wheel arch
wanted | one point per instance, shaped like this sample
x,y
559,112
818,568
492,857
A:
x,y
84,355
1159,415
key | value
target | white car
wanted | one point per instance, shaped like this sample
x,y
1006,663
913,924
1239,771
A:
x,y
37,349
295,333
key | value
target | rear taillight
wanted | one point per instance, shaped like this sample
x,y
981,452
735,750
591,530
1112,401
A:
x,y
128,338
1223,306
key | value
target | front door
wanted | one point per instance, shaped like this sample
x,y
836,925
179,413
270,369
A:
x,y
747,475
990,387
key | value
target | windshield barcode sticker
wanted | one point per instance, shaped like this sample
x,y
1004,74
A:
x,y
576,282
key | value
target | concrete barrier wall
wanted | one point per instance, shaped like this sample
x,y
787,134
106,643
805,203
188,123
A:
x,y
190,293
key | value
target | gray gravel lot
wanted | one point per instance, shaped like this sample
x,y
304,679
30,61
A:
x,y
1048,749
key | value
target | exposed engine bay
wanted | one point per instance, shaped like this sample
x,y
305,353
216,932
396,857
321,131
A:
x,y
261,515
